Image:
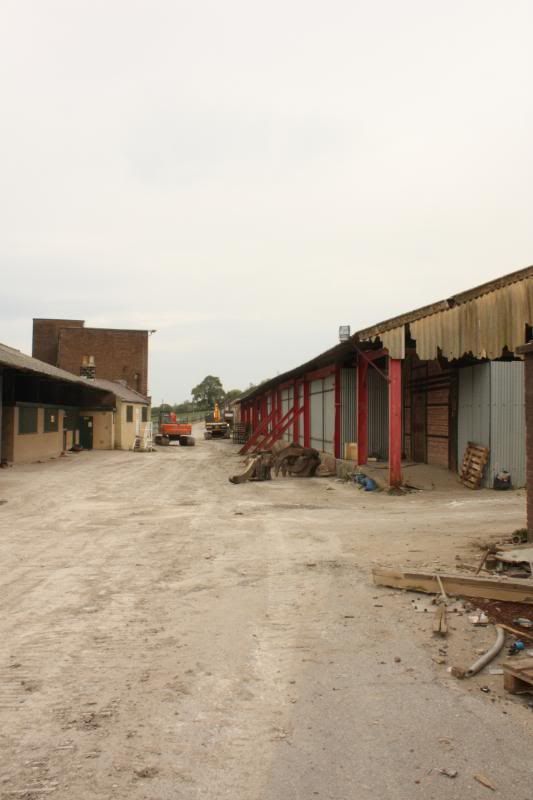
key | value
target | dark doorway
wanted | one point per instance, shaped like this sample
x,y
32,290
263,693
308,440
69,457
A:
x,y
86,432
419,428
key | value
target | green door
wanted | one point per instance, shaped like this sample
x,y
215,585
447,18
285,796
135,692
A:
x,y
86,432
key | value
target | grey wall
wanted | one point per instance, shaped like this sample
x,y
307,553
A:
x,y
492,413
348,407
378,415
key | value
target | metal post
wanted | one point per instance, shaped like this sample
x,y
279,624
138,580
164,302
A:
x,y
395,422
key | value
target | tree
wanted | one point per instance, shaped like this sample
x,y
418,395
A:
x,y
208,392
232,395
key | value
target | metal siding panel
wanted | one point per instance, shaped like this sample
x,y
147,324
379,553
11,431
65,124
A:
x,y
378,415
316,404
348,407
508,422
473,421
329,417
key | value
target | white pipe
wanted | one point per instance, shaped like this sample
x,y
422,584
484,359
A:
x,y
487,657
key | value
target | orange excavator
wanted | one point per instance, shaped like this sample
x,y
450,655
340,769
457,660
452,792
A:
x,y
171,430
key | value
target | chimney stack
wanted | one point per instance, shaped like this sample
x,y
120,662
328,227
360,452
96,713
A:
x,y
88,368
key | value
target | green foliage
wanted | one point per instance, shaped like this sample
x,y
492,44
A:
x,y
232,395
208,392
204,396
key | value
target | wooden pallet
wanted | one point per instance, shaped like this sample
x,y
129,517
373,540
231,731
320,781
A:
x,y
518,675
473,466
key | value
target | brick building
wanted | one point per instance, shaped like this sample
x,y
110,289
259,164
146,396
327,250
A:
x,y
110,353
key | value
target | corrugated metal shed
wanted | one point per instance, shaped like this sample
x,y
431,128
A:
x,y
482,321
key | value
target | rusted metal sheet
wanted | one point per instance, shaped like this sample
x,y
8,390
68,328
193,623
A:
x,y
483,326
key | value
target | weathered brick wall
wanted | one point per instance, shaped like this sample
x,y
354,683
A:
x,y
118,354
46,337
529,439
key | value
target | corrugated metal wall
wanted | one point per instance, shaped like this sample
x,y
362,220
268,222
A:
x,y
473,421
492,413
348,407
287,401
378,415
322,406
508,421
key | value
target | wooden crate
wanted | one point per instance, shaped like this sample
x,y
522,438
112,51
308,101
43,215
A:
x,y
518,675
473,466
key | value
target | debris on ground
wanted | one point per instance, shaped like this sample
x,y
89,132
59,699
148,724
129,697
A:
x,y
483,660
300,462
455,584
473,466
257,468
450,773
517,561
484,781
479,618
440,623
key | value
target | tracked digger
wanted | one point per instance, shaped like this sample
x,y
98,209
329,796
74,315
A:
x,y
171,430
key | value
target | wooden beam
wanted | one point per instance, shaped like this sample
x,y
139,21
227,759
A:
x,y
515,591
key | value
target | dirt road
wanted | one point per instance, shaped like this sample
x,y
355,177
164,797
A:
x,y
167,635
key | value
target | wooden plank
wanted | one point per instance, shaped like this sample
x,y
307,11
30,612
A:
x,y
514,591
518,675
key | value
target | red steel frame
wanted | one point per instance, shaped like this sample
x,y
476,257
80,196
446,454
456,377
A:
x,y
283,424
296,403
307,415
257,431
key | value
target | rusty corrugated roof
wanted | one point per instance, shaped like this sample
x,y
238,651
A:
x,y
482,320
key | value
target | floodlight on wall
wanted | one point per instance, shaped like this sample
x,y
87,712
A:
x,y
344,333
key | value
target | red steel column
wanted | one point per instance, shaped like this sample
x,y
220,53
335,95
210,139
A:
x,y
362,411
295,402
264,411
307,416
255,415
337,435
395,422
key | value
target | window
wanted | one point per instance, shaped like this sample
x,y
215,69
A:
x,y
51,416
144,413
28,419
129,413
70,420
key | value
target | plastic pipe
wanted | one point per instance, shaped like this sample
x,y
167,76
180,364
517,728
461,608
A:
x,y
487,657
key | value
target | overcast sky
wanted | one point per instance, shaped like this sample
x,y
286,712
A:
x,y
245,176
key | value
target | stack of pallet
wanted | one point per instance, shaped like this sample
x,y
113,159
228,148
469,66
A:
x,y
240,433
474,462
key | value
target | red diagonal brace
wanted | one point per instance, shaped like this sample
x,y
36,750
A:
x,y
261,428
281,427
